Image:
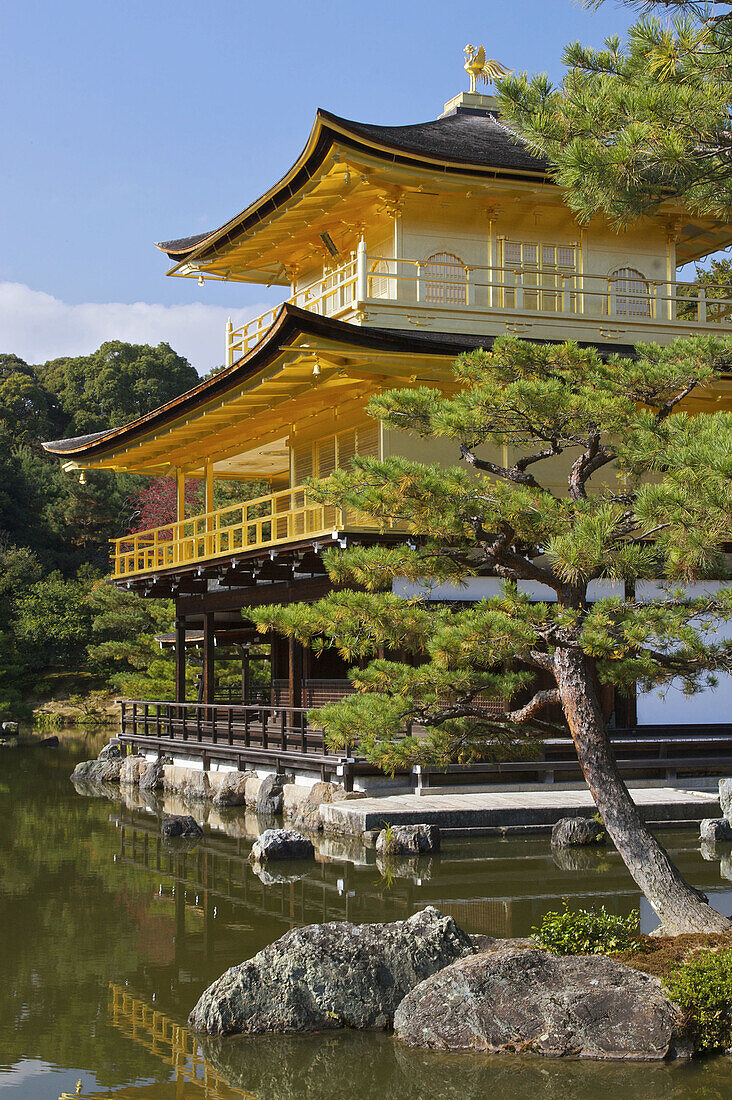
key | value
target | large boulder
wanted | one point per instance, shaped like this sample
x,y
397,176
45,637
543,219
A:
x,y
232,790
307,814
715,829
327,976
101,771
570,831
191,783
408,840
270,793
281,844
725,797
511,1001
111,751
132,770
180,825
252,789
153,777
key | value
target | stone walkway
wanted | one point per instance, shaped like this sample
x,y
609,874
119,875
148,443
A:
x,y
511,809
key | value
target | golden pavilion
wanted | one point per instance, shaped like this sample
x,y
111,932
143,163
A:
x,y
397,247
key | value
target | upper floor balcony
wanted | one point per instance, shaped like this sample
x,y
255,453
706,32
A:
x,y
285,517
538,290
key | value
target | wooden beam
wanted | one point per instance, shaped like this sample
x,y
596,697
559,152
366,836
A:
x,y
311,588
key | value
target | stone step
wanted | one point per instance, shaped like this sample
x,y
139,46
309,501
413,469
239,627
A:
x,y
509,810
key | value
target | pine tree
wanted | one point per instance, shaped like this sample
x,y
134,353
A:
x,y
606,480
636,125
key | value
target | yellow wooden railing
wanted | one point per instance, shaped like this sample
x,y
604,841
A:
x,y
499,288
329,296
281,517
173,1044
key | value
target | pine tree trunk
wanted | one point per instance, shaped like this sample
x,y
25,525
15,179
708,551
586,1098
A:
x,y
679,906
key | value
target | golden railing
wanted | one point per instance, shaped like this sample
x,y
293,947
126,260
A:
x,y
328,296
170,1042
624,296
281,517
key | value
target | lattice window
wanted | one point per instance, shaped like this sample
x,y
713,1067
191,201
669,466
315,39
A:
x,y
629,291
543,271
302,463
346,447
381,282
367,440
446,281
334,452
325,455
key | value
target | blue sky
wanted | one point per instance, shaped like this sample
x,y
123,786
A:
x,y
126,123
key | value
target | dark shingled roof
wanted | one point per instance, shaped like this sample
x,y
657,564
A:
x,y
58,446
183,244
465,135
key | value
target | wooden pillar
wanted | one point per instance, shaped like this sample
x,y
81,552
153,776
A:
x,y
208,487
180,495
209,681
278,647
295,665
180,660
180,513
245,676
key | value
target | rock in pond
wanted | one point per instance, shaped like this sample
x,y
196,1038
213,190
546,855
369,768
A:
x,y
111,751
715,829
132,770
270,793
233,789
281,844
153,777
327,976
517,1001
570,831
725,797
101,771
192,783
408,840
182,825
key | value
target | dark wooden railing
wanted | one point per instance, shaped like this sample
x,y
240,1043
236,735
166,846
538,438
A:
x,y
251,735
230,724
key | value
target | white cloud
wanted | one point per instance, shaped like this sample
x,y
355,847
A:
x,y
36,326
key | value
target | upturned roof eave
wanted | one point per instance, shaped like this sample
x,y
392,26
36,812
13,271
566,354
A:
x,y
290,322
332,127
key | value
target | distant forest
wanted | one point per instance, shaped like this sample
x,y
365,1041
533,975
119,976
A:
x,y
63,630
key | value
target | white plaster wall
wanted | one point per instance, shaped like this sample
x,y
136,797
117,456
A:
x,y
483,588
670,706
714,705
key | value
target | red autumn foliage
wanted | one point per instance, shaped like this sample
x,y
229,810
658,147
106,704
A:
x,y
154,506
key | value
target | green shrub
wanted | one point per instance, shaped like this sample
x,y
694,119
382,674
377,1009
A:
x,y
587,931
702,988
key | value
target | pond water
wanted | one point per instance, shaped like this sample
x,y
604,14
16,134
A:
x,y
107,938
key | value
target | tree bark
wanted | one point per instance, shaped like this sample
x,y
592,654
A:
x,y
679,907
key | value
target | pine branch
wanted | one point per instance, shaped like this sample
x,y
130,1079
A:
x,y
516,473
546,698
